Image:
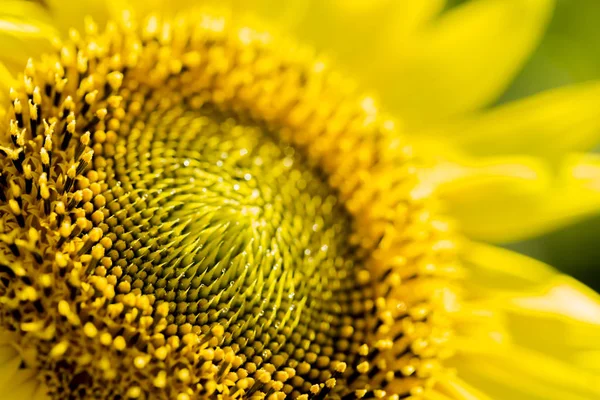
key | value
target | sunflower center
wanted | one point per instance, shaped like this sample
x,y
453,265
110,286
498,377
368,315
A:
x,y
187,211
228,226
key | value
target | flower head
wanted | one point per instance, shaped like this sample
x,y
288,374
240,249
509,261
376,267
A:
x,y
192,209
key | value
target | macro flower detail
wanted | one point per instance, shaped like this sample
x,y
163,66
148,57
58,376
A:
x,y
194,209
185,214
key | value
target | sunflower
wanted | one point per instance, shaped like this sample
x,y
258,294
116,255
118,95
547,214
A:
x,y
192,207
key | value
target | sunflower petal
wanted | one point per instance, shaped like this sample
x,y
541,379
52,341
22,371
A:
x,y
547,124
569,312
504,199
65,18
549,329
25,31
464,61
498,266
161,7
409,16
531,293
281,15
511,372
25,11
456,388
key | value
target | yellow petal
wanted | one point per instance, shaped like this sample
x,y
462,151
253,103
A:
x,y
503,269
280,15
72,15
547,124
161,7
548,328
348,31
504,199
409,16
563,297
25,31
464,61
570,314
25,11
512,372
529,292
456,388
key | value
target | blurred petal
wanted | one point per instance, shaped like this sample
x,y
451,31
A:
x,y
25,31
570,312
347,31
519,362
161,7
456,388
547,124
504,269
464,61
72,15
281,15
511,372
409,15
503,199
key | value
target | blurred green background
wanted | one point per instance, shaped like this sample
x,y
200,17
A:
x,y
569,53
